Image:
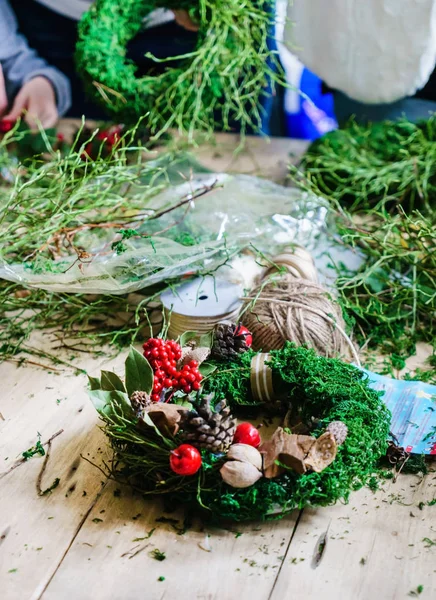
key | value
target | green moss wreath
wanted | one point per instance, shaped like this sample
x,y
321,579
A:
x,y
222,79
327,389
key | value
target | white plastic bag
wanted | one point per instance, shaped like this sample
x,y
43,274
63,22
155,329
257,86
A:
x,y
240,211
375,51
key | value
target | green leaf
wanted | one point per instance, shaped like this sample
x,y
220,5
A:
x,y
182,402
206,340
187,337
111,381
139,374
94,383
104,400
206,368
203,341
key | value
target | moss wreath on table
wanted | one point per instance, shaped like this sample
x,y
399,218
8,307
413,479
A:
x,y
171,426
221,79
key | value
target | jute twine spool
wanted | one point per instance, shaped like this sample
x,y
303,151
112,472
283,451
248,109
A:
x,y
297,310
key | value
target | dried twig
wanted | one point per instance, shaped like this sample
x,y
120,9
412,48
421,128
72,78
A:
x,y
23,460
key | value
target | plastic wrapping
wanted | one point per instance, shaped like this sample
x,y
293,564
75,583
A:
x,y
240,211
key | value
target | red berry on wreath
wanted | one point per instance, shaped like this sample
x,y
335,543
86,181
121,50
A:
x,y
185,460
243,331
246,433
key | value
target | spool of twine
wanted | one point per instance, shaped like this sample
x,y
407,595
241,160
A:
x,y
261,380
296,261
297,310
179,323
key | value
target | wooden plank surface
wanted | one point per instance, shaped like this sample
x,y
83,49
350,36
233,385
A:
x,y
92,539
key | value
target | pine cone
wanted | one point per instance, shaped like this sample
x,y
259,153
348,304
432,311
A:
x,y
339,431
228,341
139,401
212,429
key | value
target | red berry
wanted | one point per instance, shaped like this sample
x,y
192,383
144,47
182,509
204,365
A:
x,y
198,376
196,386
190,377
185,460
6,126
175,382
243,331
159,374
155,397
246,433
157,364
193,364
167,383
155,353
182,381
157,386
172,371
187,389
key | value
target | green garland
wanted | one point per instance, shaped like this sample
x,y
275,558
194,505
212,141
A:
x,y
386,173
221,80
380,165
327,389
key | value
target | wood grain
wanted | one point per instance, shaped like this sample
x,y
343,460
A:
x,y
36,531
374,549
114,556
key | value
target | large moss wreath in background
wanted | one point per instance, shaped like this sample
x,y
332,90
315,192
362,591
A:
x,y
222,79
326,389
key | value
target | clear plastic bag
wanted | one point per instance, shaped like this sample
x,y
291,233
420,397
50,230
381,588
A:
x,y
240,211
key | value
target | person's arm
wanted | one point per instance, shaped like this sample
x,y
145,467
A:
x,y
41,90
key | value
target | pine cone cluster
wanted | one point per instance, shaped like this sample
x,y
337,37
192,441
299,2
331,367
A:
x,y
229,341
140,401
208,427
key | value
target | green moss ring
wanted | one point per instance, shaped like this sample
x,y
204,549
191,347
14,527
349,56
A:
x,y
320,390
222,79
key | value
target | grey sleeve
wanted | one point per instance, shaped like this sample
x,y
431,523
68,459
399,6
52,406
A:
x,y
20,63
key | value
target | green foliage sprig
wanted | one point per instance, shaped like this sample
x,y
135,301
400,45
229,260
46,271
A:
x,y
383,164
381,182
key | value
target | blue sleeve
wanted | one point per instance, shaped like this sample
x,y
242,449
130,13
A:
x,y
20,63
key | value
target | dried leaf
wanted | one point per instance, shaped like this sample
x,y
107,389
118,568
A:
x,y
271,450
286,449
166,417
322,453
297,452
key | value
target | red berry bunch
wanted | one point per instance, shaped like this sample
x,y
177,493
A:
x,y
6,126
163,356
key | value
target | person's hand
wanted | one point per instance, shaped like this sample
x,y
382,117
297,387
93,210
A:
x,y
184,20
3,96
36,101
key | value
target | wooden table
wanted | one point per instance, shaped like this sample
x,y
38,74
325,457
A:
x,y
90,539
